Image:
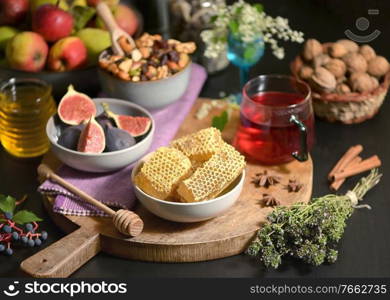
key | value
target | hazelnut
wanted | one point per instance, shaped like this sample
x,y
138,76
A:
x,y
337,50
351,46
320,60
343,88
355,62
367,52
337,67
378,66
305,72
311,49
375,82
362,82
324,79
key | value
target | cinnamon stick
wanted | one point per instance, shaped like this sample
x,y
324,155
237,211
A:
x,y
338,183
365,165
348,156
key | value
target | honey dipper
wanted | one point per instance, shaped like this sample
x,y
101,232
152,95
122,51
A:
x,y
115,31
127,222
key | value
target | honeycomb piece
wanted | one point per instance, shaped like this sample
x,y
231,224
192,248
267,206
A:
x,y
160,175
201,145
213,177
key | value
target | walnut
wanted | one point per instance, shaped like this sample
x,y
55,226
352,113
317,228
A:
x,y
305,72
311,49
337,67
367,52
324,79
362,82
320,60
378,66
343,88
337,50
351,46
355,62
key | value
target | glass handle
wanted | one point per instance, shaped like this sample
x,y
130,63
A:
x,y
302,154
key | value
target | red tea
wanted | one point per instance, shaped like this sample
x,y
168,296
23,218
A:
x,y
266,134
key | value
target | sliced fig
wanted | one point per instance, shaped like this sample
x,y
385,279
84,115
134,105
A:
x,y
69,137
92,138
117,139
76,108
136,125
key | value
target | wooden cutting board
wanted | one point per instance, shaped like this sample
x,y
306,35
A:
x,y
165,241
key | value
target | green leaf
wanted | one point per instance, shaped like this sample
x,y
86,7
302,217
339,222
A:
x,y
220,121
7,203
233,26
259,7
249,52
213,19
25,216
81,16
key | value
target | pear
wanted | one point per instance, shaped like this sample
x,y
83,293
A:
x,y
6,33
96,40
34,4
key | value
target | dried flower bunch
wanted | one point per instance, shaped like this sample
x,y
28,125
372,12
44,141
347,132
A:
x,y
342,67
248,22
309,232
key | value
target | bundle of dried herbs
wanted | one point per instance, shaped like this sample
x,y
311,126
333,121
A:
x,y
309,232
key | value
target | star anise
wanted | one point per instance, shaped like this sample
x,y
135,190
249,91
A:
x,y
293,186
270,200
265,180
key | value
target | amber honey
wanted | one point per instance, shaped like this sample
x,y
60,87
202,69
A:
x,y
25,107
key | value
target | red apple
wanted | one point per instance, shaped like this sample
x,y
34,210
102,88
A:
x,y
12,11
52,22
67,54
126,18
27,51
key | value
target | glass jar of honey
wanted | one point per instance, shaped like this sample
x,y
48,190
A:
x,y
25,107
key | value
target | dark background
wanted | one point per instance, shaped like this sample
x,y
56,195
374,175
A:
x,y
365,248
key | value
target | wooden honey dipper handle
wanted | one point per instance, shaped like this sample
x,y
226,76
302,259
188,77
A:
x,y
127,222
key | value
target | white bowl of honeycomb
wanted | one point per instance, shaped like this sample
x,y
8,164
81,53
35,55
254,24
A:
x,y
196,178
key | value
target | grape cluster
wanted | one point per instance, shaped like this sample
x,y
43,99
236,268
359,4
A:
x,y
11,234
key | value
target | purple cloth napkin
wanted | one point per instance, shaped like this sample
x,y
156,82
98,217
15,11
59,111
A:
x,y
115,188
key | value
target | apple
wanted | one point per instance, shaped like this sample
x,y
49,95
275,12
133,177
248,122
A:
x,y
67,54
110,3
12,11
34,4
95,40
6,33
27,51
52,22
125,17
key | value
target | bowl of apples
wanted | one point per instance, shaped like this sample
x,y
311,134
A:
x,y
58,41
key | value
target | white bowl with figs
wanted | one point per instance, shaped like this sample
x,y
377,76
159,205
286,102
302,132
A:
x,y
101,134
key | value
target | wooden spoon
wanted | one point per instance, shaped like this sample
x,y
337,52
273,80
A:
x,y
115,31
127,222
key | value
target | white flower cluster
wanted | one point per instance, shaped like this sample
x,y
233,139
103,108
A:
x,y
250,24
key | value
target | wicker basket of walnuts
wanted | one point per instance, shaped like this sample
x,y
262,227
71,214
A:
x,y
349,82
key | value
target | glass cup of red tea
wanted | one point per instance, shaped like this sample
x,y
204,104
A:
x,y
276,120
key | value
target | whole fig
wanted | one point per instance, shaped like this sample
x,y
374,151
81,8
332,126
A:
x,y
117,139
70,136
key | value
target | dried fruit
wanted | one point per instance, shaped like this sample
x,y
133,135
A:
x,y
270,200
351,46
75,107
355,62
337,50
378,66
117,139
337,67
367,52
311,49
324,79
306,72
92,138
136,126
362,82
69,137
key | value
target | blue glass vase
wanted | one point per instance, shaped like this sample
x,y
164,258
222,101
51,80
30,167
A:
x,y
244,55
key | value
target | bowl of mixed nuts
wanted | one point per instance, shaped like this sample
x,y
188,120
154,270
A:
x,y
349,81
154,73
